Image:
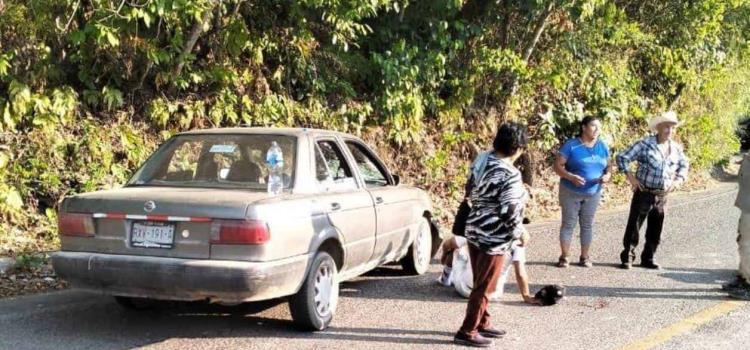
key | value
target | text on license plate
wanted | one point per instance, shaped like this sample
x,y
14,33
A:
x,y
152,234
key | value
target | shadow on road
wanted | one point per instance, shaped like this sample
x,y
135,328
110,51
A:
x,y
425,289
101,323
701,276
642,293
384,335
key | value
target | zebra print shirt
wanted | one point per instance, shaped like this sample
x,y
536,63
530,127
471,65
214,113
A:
x,y
497,203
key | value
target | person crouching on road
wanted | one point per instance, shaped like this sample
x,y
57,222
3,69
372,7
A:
x,y
662,168
740,288
494,223
457,270
583,166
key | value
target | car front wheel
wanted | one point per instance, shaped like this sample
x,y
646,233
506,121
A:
x,y
417,259
313,306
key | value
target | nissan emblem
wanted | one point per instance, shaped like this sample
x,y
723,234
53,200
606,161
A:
x,y
149,206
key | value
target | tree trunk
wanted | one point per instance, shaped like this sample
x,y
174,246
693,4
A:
x,y
474,9
539,28
676,96
237,8
505,29
195,32
527,51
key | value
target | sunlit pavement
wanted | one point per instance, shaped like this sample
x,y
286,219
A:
x,y
677,307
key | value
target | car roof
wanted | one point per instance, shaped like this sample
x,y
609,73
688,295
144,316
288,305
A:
x,y
265,131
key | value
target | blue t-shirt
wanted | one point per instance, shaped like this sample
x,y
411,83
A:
x,y
588,163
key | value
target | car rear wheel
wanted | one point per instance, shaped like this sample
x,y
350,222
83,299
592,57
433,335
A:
x,y
313,306
417,259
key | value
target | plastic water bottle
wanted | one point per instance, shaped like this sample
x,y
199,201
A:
x,y
275,164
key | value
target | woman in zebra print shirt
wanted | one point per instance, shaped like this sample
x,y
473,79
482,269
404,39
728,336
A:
x,y
497,200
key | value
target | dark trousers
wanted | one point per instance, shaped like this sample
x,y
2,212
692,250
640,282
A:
x,y
645,205
486,269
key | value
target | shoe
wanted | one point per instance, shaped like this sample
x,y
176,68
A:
x,y
585,262
736,283
650,265
492,332
740,293
445,277
563,262
626,265
477,341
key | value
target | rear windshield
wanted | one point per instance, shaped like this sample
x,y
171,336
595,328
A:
x,y
219,161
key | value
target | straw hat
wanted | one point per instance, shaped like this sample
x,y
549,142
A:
x,y
666,117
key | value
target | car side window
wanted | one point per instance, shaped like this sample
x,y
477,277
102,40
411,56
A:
x,y
331,167
371,170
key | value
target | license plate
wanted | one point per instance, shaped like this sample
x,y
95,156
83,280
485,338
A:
x,y
150,234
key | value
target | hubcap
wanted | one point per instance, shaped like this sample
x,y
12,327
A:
x,y
326,290
423,246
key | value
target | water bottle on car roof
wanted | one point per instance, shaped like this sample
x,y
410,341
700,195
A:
x,y
275,164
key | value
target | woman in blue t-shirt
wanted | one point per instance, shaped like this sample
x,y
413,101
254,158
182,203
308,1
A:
x,y
583,166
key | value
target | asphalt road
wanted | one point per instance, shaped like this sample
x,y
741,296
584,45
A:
x,y
605,307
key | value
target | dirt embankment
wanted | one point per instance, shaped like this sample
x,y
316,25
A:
x,y
32,273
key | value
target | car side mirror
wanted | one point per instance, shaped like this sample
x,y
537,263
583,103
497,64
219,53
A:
x,y
396,179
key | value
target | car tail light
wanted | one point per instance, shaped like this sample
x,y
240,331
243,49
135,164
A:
x,y
74,224
239,232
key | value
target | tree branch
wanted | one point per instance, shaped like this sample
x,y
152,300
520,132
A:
x,y
195,32
528,50
474,9
150,63
237,8
505,29
538,29
676,96
70,20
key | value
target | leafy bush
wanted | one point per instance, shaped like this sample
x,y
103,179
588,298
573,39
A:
x,y
87,89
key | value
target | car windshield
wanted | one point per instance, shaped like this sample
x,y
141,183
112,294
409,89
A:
x,y
216,161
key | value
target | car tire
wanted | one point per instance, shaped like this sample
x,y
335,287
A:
x,y
418,258
137,304
313,307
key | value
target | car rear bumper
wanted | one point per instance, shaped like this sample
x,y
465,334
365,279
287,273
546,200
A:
x,y
181,279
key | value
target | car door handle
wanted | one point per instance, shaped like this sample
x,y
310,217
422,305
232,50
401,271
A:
x,y
378,200
335,206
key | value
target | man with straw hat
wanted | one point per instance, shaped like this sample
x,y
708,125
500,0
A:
x,y
661,168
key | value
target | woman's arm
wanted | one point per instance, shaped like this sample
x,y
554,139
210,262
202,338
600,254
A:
x,y
607,172
523,283
560,170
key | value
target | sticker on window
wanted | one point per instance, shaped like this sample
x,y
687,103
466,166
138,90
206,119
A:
x,y
222,148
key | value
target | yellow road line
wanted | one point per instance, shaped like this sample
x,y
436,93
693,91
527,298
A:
x,y
685,325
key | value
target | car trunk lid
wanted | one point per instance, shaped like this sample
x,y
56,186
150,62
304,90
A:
x,y
156,221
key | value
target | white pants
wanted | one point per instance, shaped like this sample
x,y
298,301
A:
x,y
743,244
463,279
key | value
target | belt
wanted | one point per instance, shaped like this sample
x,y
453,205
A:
x,y
654,191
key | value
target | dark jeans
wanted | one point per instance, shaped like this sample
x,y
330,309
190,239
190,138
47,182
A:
x,y
644,205
486,269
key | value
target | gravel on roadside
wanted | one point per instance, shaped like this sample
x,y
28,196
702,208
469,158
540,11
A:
x,y
30,280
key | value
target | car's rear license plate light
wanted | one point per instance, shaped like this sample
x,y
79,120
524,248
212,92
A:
x,y
152,234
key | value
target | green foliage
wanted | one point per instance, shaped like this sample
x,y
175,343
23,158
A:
x,y
710,131
440,162
28,261
87,88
